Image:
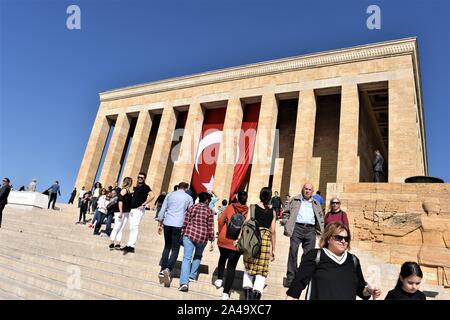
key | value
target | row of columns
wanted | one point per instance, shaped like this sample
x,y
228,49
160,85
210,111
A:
x,y
400,101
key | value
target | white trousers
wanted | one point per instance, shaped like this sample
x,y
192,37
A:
x,y
135,219
119,225
258,284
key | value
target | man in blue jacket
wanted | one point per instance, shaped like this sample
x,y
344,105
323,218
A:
x,y
53,192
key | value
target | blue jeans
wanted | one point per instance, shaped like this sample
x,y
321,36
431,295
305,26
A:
x,y
97,216
172,236
109,219
189,270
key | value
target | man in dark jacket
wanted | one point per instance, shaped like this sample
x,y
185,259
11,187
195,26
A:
x,y
276,204
377,166
4,193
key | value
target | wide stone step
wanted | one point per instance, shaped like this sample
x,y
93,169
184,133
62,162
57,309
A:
x,y
147,274
282,247
152,251
42,244
115,257
23,291
147,232
199,290
279,275
12,270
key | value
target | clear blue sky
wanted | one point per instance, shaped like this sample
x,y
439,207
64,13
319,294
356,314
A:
x,y
50,76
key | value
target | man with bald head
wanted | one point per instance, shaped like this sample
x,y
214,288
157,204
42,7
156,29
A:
x,y
303,219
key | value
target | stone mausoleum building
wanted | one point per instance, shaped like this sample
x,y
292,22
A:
x,y
317,117
331,109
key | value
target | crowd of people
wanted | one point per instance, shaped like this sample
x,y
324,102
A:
x,y
326,271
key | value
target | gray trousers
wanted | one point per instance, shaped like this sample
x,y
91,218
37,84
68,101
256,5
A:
x,y
306,235
376,176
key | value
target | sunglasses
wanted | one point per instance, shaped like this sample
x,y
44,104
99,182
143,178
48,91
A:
x,y
335,203
140,177
340,238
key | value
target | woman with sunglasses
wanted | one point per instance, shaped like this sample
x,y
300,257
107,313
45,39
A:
x,y
331,272
335,213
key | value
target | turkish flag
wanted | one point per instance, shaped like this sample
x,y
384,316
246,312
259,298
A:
x,y
208,150
246,146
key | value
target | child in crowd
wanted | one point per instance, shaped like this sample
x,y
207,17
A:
x,y
222,207
408,284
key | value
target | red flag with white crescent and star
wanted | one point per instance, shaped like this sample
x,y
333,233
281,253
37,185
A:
x,y
246,146
208,150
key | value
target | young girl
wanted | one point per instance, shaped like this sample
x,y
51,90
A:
x,y
408,283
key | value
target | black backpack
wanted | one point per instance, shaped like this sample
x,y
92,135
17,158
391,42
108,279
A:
x,y
235,225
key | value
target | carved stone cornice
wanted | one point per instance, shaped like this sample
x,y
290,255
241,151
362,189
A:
x,y
353,54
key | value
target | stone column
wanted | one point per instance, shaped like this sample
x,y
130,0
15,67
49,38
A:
x,y
111,165
93,153
161,149
348,160
278,175
138,145
403,130
182,169
228,149
264,146
302,166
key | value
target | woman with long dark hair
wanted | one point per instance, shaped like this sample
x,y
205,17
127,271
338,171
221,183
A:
x,y
257,269
225,242
95,195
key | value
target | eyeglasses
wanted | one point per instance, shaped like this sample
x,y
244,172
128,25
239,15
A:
x,y
339,238
140,177
335,203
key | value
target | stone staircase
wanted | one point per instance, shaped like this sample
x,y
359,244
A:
x,y
45,255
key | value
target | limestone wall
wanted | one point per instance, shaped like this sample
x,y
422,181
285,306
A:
x,y
400,222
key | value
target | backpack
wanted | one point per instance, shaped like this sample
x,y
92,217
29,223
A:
x,y
250,243
235,224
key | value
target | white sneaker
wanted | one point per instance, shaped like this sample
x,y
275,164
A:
x,y
166,278
225,296
218,283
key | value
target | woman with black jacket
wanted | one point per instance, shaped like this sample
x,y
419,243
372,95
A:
x,y
332,272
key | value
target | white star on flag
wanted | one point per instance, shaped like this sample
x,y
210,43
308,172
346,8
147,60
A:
x,y
209,185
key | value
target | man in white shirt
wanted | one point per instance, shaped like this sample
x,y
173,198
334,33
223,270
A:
x,y
302,219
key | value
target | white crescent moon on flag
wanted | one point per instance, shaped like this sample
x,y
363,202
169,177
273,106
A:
x,y
210,139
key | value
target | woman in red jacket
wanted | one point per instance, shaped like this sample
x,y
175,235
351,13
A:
x,y
226,244
335,213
